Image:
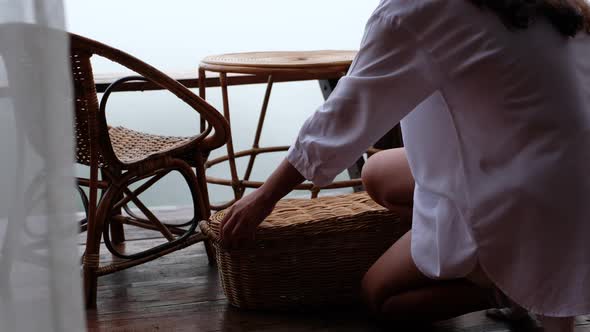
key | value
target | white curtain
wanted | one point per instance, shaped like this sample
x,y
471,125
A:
x,y
40,284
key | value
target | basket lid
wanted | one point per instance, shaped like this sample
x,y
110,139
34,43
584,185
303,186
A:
x,y
312,217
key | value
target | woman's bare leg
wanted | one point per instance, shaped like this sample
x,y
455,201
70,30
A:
x,y
393,288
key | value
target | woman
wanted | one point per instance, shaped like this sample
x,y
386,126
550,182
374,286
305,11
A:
x,y
495,101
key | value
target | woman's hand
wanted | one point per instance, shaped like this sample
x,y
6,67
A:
x,y
242,219
246,214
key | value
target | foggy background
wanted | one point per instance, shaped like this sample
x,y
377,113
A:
x,y
174,35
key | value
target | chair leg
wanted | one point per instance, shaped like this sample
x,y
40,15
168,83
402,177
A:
x,y
205,210
94,234
211,254
117,232
90,287
116,228
91,260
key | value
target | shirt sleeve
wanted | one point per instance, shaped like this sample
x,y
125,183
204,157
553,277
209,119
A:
x,y
388,78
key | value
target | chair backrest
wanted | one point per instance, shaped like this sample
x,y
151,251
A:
x,y
90,119
88,124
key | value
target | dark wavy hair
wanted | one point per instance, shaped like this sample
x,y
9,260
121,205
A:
x,y
568,16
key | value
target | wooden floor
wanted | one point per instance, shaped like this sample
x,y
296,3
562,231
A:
x,y
180,292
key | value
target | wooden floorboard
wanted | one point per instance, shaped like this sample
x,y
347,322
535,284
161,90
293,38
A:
x,y
181,292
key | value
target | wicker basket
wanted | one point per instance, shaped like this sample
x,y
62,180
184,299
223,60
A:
x,y
307,253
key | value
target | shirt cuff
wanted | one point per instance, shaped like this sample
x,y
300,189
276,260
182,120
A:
x,y
298,158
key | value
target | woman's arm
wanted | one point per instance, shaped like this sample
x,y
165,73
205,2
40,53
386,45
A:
x,y
246,214
389,77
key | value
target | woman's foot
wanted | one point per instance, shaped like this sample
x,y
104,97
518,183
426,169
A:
x,y
505,309
514,314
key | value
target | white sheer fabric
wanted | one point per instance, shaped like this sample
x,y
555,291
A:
x,y
40,286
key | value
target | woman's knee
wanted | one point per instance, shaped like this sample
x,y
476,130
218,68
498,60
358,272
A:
x,y
381,305
382,281
387,178
392,274
370,175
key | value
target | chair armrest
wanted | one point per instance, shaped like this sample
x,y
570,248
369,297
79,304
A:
x,y
112,87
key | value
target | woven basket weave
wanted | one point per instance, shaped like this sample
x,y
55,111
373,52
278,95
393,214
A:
x,y
307,253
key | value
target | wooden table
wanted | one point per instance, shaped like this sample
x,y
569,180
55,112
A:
x,y
270,67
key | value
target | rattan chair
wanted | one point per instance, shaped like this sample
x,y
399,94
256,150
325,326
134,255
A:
x,y
124,157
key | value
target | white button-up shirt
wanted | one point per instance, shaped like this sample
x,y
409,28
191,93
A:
x,y
496,124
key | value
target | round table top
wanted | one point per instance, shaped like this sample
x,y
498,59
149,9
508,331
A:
x,y
280,60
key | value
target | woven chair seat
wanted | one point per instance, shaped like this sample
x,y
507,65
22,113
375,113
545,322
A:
x,y
132,146
307,253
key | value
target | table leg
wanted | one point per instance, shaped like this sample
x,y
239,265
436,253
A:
x,y
236,183
393,139
354,171
202,93
256,144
